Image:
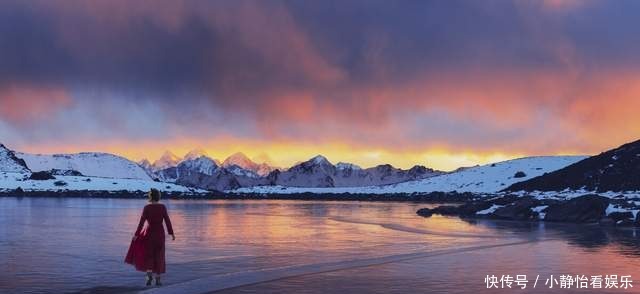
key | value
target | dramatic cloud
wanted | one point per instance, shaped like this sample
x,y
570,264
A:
x,y
351,78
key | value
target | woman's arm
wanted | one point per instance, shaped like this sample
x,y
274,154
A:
x,y
143,218
167,222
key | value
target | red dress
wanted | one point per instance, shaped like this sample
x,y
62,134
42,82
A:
x,y
147,251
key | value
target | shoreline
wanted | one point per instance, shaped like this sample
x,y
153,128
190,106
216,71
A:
x,y
588,208
435,197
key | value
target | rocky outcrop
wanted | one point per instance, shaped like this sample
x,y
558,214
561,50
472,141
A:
x,y
583,209
41,176
518,210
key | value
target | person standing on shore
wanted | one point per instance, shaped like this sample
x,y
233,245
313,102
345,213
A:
x,y
153,238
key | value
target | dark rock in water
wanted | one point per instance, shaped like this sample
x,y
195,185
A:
x,y
470,208
426,212
447,210
583,209
520,174
18,190
637,222
519,210
465,210
620,216
41,176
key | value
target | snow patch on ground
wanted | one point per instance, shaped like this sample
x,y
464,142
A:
x,y
489,210
539,209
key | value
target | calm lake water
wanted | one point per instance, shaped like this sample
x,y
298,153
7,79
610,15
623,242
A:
x,y
72,245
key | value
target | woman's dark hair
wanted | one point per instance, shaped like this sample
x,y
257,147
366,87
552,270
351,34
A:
x,y
154,195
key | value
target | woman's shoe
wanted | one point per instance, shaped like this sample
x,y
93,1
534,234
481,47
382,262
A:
x,y
149,279
158,282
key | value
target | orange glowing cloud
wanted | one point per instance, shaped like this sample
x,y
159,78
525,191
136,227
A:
x,y
29,105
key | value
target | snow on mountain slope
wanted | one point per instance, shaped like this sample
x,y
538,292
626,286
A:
x,y
240,160
488,178
347,166
11,181
10,163
88,163
613,170
195,153
202,164
167,160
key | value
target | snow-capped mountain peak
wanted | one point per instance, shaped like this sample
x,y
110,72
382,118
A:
x,y
320,160
195,153
167,160
203,164
144,162
240,160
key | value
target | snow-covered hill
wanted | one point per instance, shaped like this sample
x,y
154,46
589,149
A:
x,y
88,164
10,181
613,170
10,163
481,179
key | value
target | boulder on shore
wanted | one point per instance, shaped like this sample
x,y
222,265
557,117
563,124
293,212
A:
x,y
519,210
583,209
621,216
41,176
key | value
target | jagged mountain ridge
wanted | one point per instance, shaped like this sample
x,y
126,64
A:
x,y
490,178
320,172
239,171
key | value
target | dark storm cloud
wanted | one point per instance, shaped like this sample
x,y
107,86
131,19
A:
x,y
251,47
294,68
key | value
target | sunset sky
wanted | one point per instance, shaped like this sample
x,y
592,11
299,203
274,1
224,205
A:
x,y
439,83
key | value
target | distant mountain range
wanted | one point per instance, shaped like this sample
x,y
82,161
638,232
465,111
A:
x,y
614,170
490,178
196,169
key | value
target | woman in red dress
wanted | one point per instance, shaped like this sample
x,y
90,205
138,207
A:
x,y
154,214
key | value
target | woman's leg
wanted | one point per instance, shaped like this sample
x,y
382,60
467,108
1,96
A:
x,y
158,283
149,277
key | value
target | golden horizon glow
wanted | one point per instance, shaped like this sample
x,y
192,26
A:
x,y
286,154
